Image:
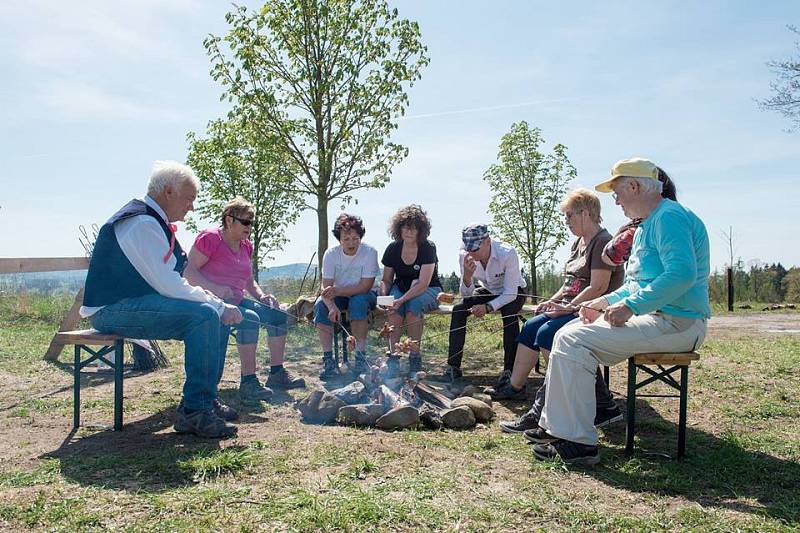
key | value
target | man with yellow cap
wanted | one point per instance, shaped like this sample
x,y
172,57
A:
x,y
662,307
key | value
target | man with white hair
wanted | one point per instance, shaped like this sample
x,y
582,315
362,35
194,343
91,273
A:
x,y
135,288
662,307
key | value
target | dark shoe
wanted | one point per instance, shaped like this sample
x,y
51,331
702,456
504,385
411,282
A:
x,y
414,364
253,391
452,374
504,378
571,453
507,392
607,417
520,425
329,368
538,435
225,412
283,379
204,424
361,366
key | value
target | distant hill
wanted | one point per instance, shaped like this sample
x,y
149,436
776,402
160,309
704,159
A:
x,y
292,271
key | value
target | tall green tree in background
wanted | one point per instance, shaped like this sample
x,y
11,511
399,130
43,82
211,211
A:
x,y
234,160
527,187
327,79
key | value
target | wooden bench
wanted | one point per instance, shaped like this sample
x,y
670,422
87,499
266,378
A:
x,y
667,364
82,340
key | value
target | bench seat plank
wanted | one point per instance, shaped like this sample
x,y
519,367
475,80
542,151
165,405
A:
x,y
89,337
679,358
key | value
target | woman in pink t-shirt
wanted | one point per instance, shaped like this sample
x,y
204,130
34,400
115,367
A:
x,y
221,261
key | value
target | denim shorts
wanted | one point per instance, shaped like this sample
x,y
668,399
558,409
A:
x,y
255,314
539,331
420,304
358,307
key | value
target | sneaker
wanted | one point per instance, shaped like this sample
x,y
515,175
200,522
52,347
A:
x,y
571,453
507,392
520,425
253,391
539,435
414,364
225,412
504,378
204,424
329,368
606,417
360,366
452,374
283,379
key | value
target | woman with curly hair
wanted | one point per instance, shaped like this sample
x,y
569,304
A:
x,y
410,275
348,274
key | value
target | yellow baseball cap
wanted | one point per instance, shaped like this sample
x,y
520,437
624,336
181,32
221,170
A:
x,y
636,167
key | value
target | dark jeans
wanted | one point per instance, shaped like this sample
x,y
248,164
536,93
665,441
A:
x,y
196,324
602,396
458,326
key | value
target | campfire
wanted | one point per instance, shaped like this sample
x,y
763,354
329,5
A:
x,y
389,397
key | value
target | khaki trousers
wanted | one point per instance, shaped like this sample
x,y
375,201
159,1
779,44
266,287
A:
x,y
569,407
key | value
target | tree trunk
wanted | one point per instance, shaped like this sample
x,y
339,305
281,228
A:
x,y
255,266
534,288
322,224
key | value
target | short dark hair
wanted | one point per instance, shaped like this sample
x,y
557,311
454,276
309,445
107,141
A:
x,y
411,215
347,222
667,185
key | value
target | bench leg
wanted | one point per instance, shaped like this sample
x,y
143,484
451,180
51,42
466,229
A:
x,y
119,362
76,389
683,407
337,332
631,415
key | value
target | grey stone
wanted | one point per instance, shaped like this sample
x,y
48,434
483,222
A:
x,y
359,415
469,390
430,417
351,394
482,412
485,398
399,418
319,407
458,417
308,405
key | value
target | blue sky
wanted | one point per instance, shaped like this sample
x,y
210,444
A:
x,y
94,91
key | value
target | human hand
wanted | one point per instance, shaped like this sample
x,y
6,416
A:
x,y
270,300
542,307
478,310
556,310
231,315
591,310
328,292
469,267
617,314
396,304
334,314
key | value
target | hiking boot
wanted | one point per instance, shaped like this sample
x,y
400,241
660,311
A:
x,y
283,379
520,425
452,374
360,366
414,364
204,424
538,435
252,390
504,378
225,412
571,453
507,392
605,417
329,368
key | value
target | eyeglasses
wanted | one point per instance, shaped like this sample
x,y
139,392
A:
x,y
242,221
570,214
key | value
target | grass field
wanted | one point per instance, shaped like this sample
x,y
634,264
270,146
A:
x,y
742,471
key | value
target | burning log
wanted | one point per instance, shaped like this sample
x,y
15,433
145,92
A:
x,y
432,396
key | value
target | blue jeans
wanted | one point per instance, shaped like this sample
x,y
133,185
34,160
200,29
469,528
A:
x,y
419,305
539,331
357,305
158,317
254,315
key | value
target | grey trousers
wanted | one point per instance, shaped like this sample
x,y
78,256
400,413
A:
x,y
569,406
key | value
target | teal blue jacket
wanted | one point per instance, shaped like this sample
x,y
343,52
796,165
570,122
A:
x,y
669,265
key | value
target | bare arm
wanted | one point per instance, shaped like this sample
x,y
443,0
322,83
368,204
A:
x,y
194,277
386,282
425,275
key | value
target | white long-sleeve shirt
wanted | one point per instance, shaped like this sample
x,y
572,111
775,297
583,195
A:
x,y
501,276
143,242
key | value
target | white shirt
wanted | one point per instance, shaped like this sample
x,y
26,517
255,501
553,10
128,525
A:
x,y
348,270
143,242
501,276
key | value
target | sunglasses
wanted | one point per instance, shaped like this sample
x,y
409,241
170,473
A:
x,y
242,221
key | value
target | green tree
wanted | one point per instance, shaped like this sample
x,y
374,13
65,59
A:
x,y
527,186
786,87
234,160
791,285
328,80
